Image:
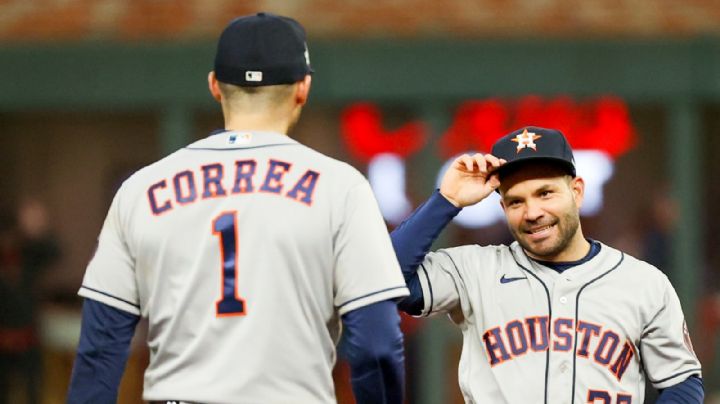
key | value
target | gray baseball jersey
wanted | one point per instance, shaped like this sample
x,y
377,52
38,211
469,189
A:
x,y
591,334
243,250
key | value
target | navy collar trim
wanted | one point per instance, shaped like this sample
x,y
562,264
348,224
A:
x,y
560,267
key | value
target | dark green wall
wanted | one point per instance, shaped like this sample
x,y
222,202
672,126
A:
x,y
135,75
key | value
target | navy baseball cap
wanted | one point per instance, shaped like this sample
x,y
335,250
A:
x,y
261,50
533,143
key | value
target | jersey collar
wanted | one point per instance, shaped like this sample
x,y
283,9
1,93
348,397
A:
x,y
562,266
603,260
222,139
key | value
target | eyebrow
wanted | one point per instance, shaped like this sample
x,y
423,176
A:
x,y
542,188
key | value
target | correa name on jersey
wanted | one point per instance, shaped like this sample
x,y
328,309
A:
x,y
210,181
531,334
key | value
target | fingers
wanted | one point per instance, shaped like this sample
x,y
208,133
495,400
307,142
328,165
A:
x,y
482,163
470,163
466,162
494,162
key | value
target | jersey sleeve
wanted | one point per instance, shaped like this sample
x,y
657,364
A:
x,y
110,275
366,269
665,348
442,282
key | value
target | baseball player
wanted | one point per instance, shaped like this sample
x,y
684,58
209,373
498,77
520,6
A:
x,y
245,251
555,317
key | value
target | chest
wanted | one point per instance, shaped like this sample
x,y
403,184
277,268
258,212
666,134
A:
x,y
597,318
603,297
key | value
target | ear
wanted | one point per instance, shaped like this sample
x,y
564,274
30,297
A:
x,y
303,90
577,186
214,87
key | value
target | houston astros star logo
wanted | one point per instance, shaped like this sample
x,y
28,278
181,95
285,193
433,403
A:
x,y
526,139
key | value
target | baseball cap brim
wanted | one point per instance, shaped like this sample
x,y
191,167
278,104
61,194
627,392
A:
x,y
510,166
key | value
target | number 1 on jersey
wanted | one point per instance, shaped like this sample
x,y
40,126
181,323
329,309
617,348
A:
x,y
225,227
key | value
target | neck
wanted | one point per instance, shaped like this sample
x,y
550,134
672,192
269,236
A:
x,y
257,122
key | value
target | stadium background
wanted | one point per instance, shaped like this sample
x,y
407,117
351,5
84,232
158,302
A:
x,y
91,90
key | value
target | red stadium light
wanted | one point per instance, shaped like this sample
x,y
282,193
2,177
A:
x,y
601,124
599,130
362,130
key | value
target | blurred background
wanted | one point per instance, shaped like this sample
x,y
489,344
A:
x,y
92,90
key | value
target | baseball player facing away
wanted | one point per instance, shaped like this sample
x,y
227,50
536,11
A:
x,y
245,250
555,317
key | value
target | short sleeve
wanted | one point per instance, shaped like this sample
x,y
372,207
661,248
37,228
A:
x,y
442,282
366,269
666,349
110,275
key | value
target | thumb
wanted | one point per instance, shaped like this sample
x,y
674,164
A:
x,y
493,181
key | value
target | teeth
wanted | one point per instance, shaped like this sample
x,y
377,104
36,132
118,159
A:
x,y
539,230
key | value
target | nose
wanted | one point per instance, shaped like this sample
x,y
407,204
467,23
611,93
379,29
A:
x,y
533,211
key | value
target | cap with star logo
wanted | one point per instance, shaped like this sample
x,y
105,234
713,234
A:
x,y
533,143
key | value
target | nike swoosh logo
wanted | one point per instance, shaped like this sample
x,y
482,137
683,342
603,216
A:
x,y
508,280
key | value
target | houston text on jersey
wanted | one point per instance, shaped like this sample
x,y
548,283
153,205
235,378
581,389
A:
x,y
210,181
603,346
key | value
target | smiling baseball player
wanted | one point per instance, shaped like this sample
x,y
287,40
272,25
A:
x,y
245,251
555,317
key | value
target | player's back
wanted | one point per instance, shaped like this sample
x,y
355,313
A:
x,y
233,246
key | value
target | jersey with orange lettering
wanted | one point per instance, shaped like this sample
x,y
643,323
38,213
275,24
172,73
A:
x,y
590,334
243,250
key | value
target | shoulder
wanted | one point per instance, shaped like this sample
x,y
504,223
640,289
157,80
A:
x,y
333,167
466,256
138,181
342,179
134,190
476,249
645,287
638,269
339,173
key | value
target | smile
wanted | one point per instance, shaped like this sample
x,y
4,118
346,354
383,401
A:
x,y
539,231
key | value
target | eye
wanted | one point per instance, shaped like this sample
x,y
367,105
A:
x,y
545,194
513,203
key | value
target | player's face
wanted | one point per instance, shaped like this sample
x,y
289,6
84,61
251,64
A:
x,y
542,209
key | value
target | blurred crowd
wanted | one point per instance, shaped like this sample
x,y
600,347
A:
x,y
27,249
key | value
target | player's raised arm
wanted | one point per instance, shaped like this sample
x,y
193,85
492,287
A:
x,y
469,180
